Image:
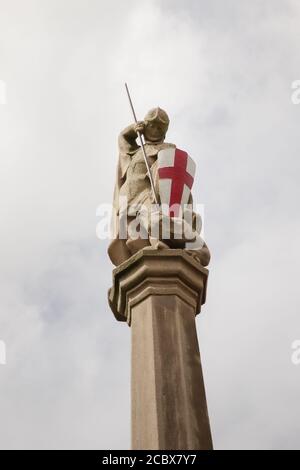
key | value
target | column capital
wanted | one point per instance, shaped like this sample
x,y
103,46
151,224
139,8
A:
x,y
157,272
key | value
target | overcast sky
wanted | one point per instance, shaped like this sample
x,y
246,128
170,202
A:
x,y
223,70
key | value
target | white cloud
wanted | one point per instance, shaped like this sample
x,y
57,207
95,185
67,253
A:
x,y
223,72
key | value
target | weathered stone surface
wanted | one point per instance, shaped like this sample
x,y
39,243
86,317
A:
x,y
133,185
159,293
153,271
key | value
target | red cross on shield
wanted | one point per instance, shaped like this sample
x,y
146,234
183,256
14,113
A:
x,y
176,172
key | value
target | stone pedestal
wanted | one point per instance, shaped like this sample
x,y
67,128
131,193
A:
x,y
159,293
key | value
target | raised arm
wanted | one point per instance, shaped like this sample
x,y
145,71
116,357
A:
x,y
127,138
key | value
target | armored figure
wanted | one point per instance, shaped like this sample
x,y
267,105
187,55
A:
x,y
134,202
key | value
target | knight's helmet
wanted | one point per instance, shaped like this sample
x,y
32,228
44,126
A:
x,y
159,115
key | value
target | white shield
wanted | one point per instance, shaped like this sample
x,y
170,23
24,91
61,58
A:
x,y
176,171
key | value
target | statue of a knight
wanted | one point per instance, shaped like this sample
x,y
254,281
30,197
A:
x,y
142,219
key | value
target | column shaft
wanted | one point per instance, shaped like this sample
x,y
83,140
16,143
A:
x,y
169,408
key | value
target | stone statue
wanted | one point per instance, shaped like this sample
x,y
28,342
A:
x,y
134,201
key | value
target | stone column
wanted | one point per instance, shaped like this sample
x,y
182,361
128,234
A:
x,y
159,293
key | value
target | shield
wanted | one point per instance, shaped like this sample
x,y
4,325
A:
x,y
176,172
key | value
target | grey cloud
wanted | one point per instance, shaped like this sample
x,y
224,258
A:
x,y
223,70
